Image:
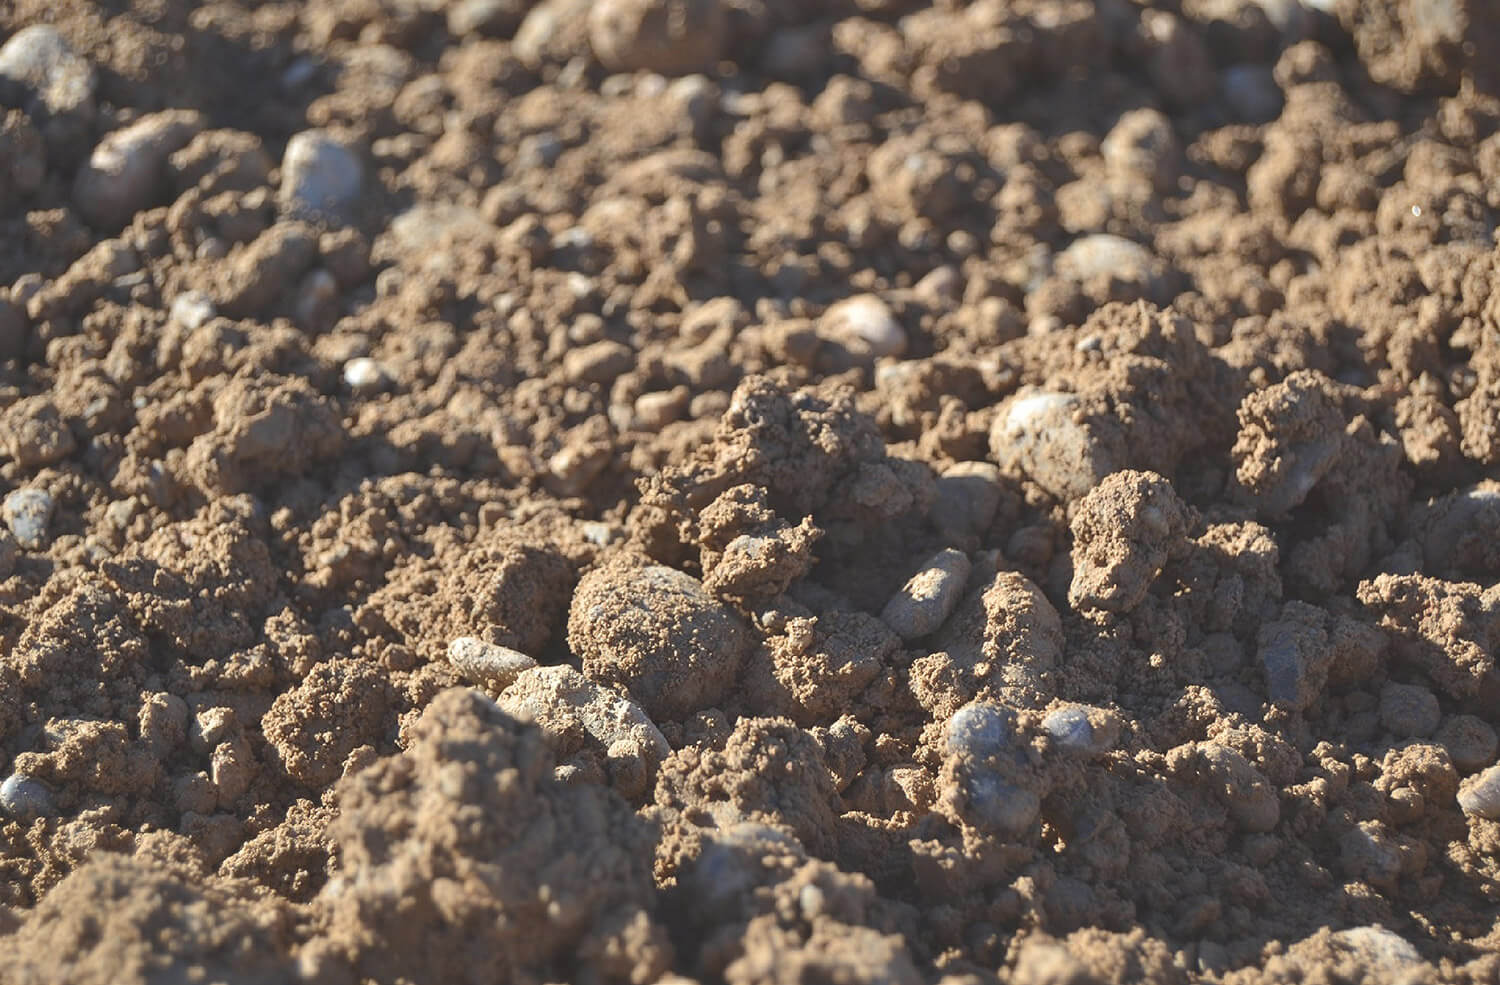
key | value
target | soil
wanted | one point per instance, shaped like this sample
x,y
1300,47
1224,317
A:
x,y
750,491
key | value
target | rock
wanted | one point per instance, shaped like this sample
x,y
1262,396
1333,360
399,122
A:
x,y
926,601
865,325
598,362
1377,947
993,804
1293,650
321,178
40,72
1409,711
1075,730
25,798
1480,794
1103,262
968,495
1143,147
1039,433
127,172
658,633
553,32
365,376
1251,91
487,663
980,730
193,309
669,37
490,18
27,514
1471,742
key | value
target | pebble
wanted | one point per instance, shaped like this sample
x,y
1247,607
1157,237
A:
x,y
39,61
1102,256
1378,947
317,300
1038,433
320,177
926,601
26,798
866,325
670,37
27,514
364,375
487,663
127,172
980,730
494,18
1070,729
1471,742
968,495
1251,91
1142,145
598,362
1480,794
193,309
998,806
1408,711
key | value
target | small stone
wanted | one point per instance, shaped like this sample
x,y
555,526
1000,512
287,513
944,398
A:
x,y
26,798
1480,794
926,601
1107,259
1378,948
968,495
193,309
317,300
40,72
491,18
1143,146
980,730
599,362
1471,742
27,514
1409,711
1251,91
487,663
670,37
654,411
1070,729
320,177
865,325
993,804
365,376
1039,434
127,172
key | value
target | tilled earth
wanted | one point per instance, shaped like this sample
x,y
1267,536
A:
x,y
750,491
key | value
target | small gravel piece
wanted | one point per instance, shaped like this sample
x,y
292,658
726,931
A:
x,y
927,600
26,798
993,804
40,72
1104,258
1070,729
598,362
487,663
1480,794
127,172
365,376
320,177
1039,433
1378,947
27,514
1471,742
193,309
1409,711
980,730
865,325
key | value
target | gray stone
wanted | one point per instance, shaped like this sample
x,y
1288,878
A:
x,y
487,663
926,601
1070,729
1039,433
980,730
320,177
40,72
27,513
993,804
127,172
26,798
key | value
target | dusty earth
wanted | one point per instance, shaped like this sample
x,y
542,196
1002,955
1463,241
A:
x,y
750,491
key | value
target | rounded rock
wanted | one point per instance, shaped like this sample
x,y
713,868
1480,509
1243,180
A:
x,y
53,82
1039,433
487,663
670,37
993,804
26,798
364,375
27,513
926,601
658,633
866,325
980,730
1480,794
1471,742
127,172
320,177
1070,729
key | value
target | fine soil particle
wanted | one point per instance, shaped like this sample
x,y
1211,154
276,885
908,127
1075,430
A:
x,y
750,492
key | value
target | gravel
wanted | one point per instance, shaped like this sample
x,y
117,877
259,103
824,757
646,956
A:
x,y
321,178
40,72
26,798
127,172
27,513
487,663
926,601
1480,794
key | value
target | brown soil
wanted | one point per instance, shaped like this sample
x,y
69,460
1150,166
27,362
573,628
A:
x,y
750,491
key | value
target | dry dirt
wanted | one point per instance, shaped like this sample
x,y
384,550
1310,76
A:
x,y
828,492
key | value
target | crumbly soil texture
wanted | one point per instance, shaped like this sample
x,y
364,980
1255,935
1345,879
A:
x,y
822,492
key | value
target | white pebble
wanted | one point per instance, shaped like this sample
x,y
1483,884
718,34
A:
x,y
865,322
487,663
193,309
320,177
1480,794
27,514
1038,433
364,375
127,172
26,798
